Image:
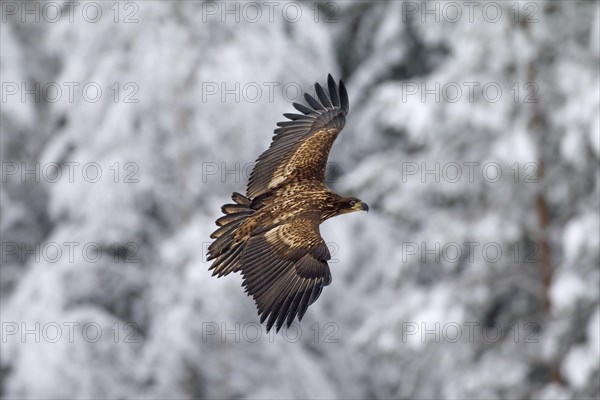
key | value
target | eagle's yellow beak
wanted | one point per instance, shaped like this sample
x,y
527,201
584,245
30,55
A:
x,y
360,206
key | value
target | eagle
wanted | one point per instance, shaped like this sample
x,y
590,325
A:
x,y
271,235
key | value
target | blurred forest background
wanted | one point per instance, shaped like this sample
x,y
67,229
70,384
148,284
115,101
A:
x,y
473,128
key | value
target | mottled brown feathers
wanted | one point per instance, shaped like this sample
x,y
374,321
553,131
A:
x,y
289,154
271,235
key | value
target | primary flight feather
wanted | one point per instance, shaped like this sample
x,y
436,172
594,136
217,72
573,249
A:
x,y
271,235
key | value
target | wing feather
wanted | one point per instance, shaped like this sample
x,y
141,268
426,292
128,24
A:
x,y
333,91
313,102
292,116
344,98
323,96
302,108
285,269
301,144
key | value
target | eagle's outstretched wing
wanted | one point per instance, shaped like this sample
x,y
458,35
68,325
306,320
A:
x,y
301,146
285,269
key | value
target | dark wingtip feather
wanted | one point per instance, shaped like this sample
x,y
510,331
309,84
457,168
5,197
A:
x,y
293,309
293,117
284,312
303,304
322,96
272,319
302,108
263,316
312,102
344,97
333,91
239,198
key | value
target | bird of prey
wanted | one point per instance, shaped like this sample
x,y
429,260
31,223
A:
x,y
271,235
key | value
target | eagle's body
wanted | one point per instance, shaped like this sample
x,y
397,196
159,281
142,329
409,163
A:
x,y
271,235
296,199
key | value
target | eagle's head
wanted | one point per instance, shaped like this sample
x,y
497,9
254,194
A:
x,y
337,205
351,204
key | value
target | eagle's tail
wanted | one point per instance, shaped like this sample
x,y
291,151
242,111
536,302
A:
x,y
226,248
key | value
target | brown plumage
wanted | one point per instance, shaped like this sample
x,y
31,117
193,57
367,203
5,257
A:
x,y
271,235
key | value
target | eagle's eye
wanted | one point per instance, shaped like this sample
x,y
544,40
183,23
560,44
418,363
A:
x,y
352,203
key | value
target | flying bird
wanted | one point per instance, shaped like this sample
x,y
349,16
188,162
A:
x,y
271,235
